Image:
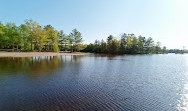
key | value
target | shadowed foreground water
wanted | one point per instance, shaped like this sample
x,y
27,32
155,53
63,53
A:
x,y
100,83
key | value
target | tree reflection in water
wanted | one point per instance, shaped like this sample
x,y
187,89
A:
x,y
34,65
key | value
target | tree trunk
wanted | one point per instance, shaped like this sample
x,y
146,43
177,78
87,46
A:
x,y
13,47
17,48
31,47
65,46
61,45
71,48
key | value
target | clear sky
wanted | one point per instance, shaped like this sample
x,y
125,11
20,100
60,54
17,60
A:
x,y
163,20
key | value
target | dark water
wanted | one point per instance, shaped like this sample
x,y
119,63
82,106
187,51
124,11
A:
x,y
97,83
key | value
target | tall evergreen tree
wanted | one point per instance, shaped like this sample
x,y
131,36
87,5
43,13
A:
x,y
76,37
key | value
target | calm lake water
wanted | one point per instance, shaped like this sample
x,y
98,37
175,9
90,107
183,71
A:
x,y
97,83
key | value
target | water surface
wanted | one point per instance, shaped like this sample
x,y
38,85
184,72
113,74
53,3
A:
x,y
82,83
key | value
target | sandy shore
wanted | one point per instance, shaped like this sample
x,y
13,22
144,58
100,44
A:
x,y
33,54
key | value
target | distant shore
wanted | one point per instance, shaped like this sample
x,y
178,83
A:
x,y
33,54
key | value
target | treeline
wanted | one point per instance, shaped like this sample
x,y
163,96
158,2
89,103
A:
x,y
177,51
128,44
30,36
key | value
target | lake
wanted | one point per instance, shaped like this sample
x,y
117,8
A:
x,y
95,82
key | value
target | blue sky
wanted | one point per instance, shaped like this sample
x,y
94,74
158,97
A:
x,y
163,20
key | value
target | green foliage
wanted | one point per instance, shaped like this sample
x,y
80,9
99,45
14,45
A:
x,y
64,41
39,38
55,47
3,36
13,36
52,38
25,35
128,44
112,45
75,39
141,44
123,43
31,36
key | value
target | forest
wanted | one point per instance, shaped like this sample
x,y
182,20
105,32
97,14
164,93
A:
x,y
128,44
31,36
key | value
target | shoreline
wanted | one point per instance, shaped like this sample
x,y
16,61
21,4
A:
x,y
36,54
